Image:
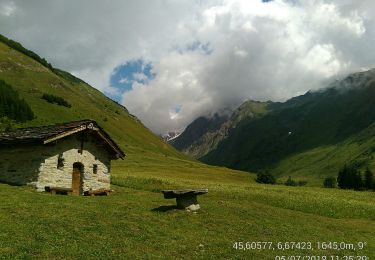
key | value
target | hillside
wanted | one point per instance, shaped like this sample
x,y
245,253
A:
x,y
193,140
204,134
310,136
32,79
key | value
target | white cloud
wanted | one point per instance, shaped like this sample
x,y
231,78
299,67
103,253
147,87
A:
x,y
323,60
260,51
240,52
7,8
140,77
239,49
125,81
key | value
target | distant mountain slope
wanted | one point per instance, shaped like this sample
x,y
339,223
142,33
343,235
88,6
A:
x,y
332,119
32,77
205,133
310,136
197,131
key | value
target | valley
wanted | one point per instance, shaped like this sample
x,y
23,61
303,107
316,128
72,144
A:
x,y
136,222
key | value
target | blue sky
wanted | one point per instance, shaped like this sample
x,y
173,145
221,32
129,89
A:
x,y
125,75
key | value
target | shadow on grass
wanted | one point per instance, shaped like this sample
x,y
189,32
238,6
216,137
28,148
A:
x,y
164,208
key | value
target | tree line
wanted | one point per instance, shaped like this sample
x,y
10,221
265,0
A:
x,y
266,177
349,177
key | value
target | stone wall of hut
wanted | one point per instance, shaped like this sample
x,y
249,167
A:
x,y
52,164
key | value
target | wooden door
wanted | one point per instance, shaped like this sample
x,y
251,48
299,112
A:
x,y
76,182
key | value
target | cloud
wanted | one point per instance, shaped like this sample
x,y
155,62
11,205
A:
x,y
140,77
260,51
205,55
7,8
125,81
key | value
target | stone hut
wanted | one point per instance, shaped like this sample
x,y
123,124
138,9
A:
x,y
74,156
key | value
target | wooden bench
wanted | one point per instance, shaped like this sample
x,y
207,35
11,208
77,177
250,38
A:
x,y
58,190
98,192
186,199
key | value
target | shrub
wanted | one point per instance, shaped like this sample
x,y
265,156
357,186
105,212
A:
x,y
329,182
290,182
265,177
56,100
302,183
12,106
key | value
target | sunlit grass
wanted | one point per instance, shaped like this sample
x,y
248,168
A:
x,y
137,222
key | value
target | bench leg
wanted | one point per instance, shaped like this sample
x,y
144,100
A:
x,y
190,203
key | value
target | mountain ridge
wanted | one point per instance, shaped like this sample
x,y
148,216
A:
x,y
334,117
210,131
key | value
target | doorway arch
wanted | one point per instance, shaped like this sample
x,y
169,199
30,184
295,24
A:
x,y
77,176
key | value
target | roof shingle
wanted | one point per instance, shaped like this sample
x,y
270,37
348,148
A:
x,y
43,133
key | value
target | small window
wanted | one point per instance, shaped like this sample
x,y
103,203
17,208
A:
x,y
95,169
60,162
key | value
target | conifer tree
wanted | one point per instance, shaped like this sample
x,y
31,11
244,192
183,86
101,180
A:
x,y
369,179
342,178
12,106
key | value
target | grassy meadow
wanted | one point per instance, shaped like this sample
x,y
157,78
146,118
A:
x,y
136,222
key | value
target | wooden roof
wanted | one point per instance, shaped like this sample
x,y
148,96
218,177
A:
x,y
51,133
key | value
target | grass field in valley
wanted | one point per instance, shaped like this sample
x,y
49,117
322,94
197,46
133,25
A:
x,y
136,222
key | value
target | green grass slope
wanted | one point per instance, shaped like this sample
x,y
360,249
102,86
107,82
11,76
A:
x,y
136,222
311,136
32,80
316,164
